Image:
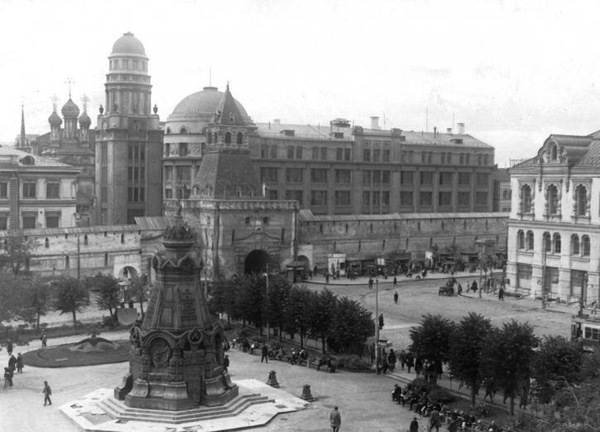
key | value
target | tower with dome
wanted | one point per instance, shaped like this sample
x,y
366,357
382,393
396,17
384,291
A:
x,y
129,139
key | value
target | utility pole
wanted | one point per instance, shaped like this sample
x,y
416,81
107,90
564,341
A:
x,y
267,300
78,259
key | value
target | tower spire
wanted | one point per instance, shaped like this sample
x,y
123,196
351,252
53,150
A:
x,y
23,139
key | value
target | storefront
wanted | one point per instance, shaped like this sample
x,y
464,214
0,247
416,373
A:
x,y
336,264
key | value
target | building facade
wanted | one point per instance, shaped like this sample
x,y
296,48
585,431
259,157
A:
x,y
554,225
36,192
129,140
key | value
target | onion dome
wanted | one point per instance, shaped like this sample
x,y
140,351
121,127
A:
x,y
70,110
84,120
128,44
54,119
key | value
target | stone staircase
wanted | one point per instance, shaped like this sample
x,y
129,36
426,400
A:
x,y
118,410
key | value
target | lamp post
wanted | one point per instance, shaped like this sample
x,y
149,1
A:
x,y
377,326
267,299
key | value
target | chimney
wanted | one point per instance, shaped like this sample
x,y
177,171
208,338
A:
x,y
435,132
449,130
374,122
461,128
277,121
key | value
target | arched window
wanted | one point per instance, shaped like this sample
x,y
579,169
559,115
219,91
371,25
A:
x,y
553,153
574,244
556,242
168,131
526,198
240,138
521,239
547,242
228,138
552,194
581,201
47,242
215,138
85,240
209,137
530,244
183,131
585,240
122,238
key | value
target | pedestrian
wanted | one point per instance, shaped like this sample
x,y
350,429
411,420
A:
x,y
392,360
402,358
414,425
524,399
47,392
490,389
594,307
396,296
380,321
19,363
501,294
225,363
410,361
335,418
435,421
326,277
370,283
474,286
12,363
264,353
44,339
8,378
395,282
9,347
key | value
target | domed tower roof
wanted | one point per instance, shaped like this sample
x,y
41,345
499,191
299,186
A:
x,y
202,105
128,44
70,110
84,120
54,118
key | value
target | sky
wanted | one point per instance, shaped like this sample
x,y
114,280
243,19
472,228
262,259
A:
x,y
513,71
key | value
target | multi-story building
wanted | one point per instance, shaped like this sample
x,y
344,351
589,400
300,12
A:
x,y
128,140
554,225
36,192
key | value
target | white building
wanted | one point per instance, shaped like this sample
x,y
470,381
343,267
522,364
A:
x,y
554,225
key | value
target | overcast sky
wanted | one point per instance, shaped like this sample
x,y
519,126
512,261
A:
x,y
513,71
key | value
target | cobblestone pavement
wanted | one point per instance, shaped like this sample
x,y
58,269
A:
x,y
364,399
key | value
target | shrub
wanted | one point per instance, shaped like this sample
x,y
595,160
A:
x,y
442,396
351,362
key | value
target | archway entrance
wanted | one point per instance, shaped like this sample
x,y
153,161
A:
x,y
128,272
256,262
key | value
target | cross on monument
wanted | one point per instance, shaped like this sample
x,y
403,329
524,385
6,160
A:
x,y
70,81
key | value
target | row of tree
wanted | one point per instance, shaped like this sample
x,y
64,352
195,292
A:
x,y
343,325
511,355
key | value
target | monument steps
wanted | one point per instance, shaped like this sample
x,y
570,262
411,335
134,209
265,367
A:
x,y
118,410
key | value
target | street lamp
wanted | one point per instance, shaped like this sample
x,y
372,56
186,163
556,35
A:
x,y
377,326
266,274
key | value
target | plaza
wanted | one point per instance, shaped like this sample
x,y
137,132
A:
x,y
364,399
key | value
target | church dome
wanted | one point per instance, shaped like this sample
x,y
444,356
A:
x,y
201,106
84,120
70,109
128,44
54,119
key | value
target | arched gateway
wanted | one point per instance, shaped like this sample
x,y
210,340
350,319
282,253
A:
x,y
256,262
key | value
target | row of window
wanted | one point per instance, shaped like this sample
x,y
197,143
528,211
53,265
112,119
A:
x,y
553,202
29,220
552,243
85,239
375,177
376,198
29,190
128,64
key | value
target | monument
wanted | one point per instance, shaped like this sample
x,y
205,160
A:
x,y
177,351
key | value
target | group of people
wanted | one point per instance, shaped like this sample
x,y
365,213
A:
x,y
14,364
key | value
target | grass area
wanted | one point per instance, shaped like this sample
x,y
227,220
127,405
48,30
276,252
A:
x,y
66,356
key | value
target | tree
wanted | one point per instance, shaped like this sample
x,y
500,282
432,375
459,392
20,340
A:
x,y
556,363
322,316
297,312
109,292
35,299
351,327
277,298
139,290
221,297
431,341
507,357
17,252
71,296
466,346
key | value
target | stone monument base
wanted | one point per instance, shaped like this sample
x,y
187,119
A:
x,y
255,405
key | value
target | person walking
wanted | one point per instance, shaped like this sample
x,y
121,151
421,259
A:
x,y
414,425
435,420
19,363
12,363
395,282
371,283
225,363
47,393
8,378
44,340
264,353
524,399
392,360
9,347
396,297
501,294
335,418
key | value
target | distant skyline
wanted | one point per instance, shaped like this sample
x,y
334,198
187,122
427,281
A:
x,y
513,71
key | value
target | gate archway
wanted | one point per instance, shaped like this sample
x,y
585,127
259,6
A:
x,y
256,262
